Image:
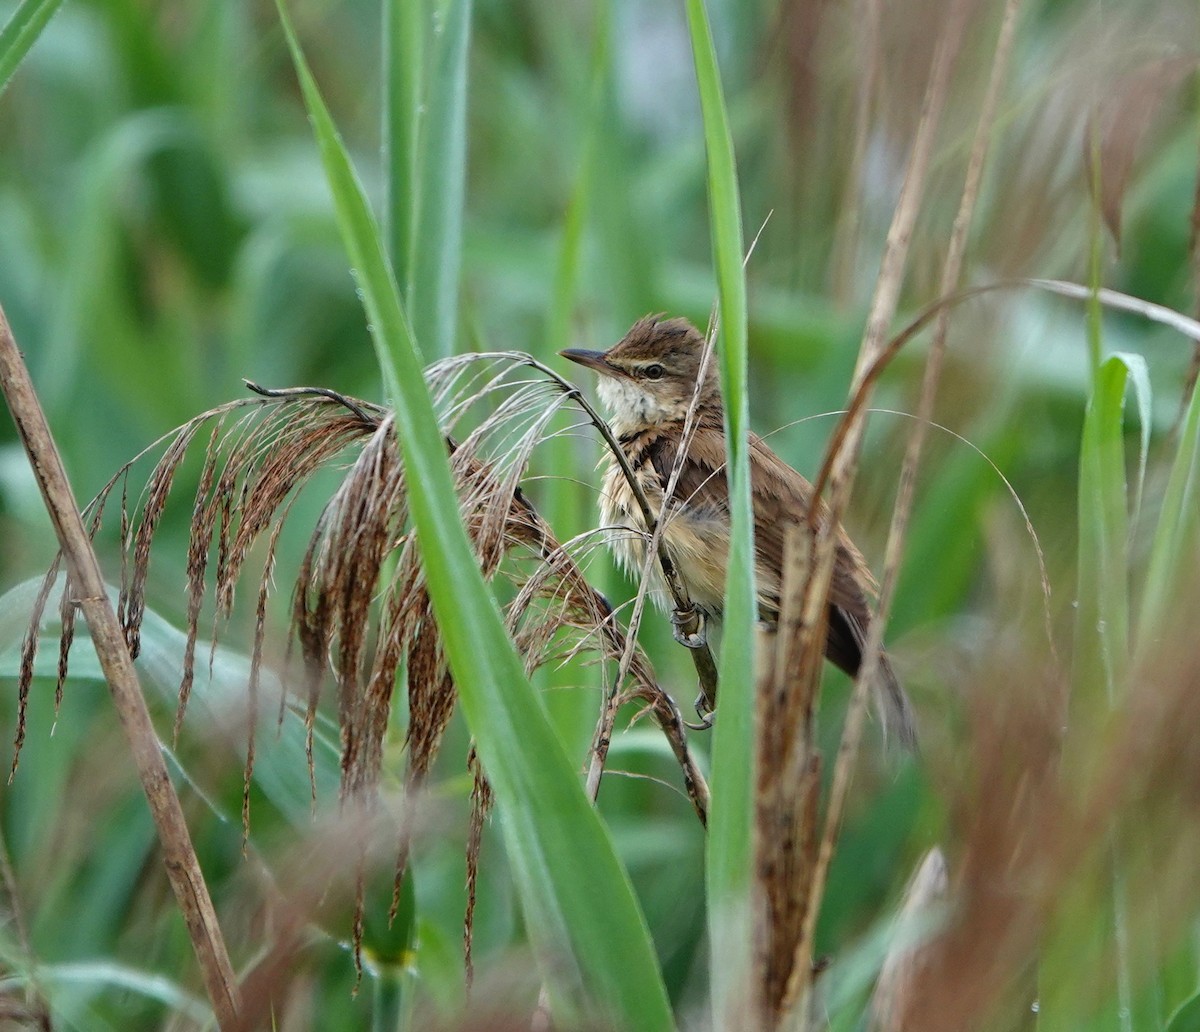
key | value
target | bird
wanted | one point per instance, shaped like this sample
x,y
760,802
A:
x,y
647,381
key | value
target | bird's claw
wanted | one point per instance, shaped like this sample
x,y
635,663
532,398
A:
x,y
679,619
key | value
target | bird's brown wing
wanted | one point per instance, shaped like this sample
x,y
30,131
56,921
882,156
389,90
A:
x,y
851,587
783,496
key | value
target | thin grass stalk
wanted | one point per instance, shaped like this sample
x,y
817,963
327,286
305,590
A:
x,y
108,638
1102,615
565,502
843,453
729,853
1103,622
566,270
1094,323
845,247
905,964
35,1002
951,275
788,793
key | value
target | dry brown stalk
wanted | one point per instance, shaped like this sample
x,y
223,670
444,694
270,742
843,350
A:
x,y
183,869
951,275
845,248
842,455
788,791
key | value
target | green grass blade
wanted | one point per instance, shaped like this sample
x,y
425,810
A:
x,y
403,61
1165,573
567,501
731,816
570,251
1102,619
580,911
1139,380
1186,1017
113,976
437,251
21,32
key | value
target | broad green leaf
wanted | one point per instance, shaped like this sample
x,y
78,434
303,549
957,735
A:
x,y
731,816
441,190
1102,618
21,32
281,764
53,979
582,917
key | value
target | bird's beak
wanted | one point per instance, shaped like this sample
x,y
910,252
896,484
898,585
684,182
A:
x,y
592,359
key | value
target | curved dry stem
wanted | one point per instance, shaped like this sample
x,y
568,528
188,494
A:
x,y
818,551
1114,299
183,869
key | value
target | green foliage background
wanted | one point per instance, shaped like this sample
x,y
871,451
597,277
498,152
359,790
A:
x,y
166,229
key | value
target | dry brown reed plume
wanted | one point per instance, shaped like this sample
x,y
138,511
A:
x,y
183,869
360,610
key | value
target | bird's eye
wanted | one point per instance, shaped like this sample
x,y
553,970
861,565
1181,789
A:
x,y
654,372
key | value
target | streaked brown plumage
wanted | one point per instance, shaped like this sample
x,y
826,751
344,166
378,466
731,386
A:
x,y
646,382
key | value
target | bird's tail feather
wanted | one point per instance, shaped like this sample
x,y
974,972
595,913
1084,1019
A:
x,y
895,709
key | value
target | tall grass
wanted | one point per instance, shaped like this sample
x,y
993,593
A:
x,y
547,177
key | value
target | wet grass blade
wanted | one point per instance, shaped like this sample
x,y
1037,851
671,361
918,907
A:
x,y
730,823
580,911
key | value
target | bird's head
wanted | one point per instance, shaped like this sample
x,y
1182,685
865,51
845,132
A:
x,y
649,376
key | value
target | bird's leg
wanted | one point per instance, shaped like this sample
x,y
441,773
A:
x,y
689,629
687,625
705,712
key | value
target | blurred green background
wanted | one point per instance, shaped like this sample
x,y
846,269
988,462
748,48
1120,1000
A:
x,y
165,230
